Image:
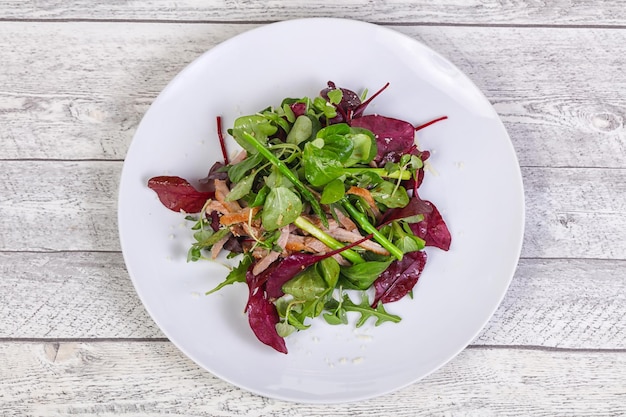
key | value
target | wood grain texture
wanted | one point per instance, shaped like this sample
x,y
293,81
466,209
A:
x,y
70,295
148,379
559,110
89,106
562,303
75,209
525,12
552,303
59,205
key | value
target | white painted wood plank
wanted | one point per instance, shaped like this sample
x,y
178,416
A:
x,y
78,91
559,109
575,213
70,295
153,378
551,303
562,303
57,205
557,12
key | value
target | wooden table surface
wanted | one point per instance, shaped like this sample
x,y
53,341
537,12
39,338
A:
x,y
77,77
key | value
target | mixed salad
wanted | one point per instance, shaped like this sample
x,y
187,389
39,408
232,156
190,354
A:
x,y
321,201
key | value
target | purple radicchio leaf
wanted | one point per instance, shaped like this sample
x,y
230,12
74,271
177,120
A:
x,y
400,278
215,173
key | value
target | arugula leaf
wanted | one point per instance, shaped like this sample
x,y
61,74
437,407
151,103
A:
x,y
209,240
337,314
237,274
238,171
366,311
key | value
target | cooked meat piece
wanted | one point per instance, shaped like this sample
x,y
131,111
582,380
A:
x,y
367,196
242,216
221,191
217,247
264,262
345,221
343,235
215,205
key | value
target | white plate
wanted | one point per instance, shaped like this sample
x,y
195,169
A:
x,y
477,186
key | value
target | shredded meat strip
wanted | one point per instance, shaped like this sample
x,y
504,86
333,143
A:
x,y
266,258
345,221
367,196
239,157
295,243
215,205
284,236
242,216
217,247
221,191
266,261
346,236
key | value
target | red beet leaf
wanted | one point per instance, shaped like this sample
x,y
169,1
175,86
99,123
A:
x,y
263,317
392,135
349,102
433,228
177,194
400,278
298,109
416,206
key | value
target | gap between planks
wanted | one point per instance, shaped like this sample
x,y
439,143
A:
x,y
536,348
267,22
